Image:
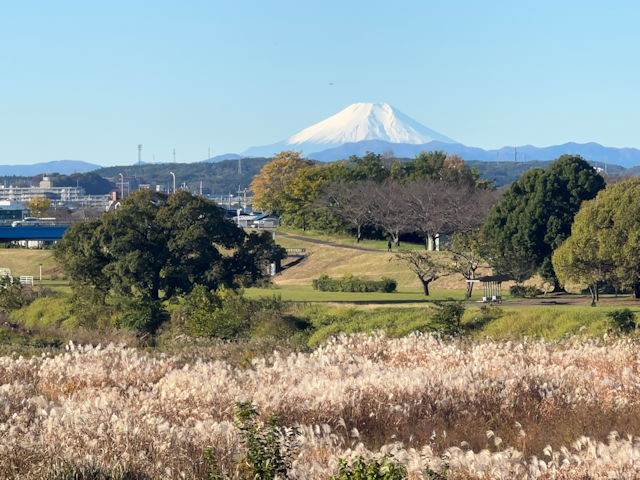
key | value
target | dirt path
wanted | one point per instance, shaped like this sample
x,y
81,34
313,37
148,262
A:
x,y
560,299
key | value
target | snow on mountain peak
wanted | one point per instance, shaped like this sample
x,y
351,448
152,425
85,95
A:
x,y
365,121
357,122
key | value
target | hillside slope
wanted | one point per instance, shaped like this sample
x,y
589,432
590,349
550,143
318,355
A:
x,y
337,261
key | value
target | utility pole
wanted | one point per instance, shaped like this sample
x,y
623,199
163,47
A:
x,y
515,154
174,155
239,166
140,154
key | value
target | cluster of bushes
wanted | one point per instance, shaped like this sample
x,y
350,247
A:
x,y
525,291
349,283
623,320
228,314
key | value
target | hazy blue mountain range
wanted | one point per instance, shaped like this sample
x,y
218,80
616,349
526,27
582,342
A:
x,y
226,156
65,167
594,152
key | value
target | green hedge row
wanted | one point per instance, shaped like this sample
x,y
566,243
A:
x,y
522,291
349,283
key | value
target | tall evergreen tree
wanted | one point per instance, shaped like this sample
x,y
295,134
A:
x,y
535,215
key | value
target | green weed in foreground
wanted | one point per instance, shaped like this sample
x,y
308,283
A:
x,y
269,447
360,469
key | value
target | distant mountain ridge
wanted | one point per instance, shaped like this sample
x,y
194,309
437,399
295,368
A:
x,y
379,128
594,152
65,167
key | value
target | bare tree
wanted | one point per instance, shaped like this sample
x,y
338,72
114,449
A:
x,y
350,201
466,248
424,265
441,208
388,209
426,203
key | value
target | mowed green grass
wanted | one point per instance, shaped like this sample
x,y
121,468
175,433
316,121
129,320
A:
x,y
306,293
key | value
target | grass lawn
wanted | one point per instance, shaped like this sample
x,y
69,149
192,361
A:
x,y
26,261
305,293
348,240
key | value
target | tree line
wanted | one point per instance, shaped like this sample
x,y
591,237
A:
x,y
431,195
525,230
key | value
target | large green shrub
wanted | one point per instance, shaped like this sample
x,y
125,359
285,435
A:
x,y
11,297
522,291
140,314
624,319
448,318
349,283
219,313
225,313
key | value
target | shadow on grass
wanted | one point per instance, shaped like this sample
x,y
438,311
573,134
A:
x,y
477,324
376,302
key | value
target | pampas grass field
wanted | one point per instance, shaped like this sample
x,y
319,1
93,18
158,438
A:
x,y
463,409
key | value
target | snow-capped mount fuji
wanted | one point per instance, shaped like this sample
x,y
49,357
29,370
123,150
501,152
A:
x,y
379,128
356,123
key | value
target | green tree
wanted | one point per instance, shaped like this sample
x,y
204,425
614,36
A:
x,y
301,204
578,259
535,215
369,167
268,186
159,246
425,165
38,205
11,297
605,241
299,195
438,165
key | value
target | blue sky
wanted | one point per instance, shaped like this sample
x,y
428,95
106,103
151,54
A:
x,y
91,80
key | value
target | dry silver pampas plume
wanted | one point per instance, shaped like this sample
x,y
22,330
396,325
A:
x,y
470,410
